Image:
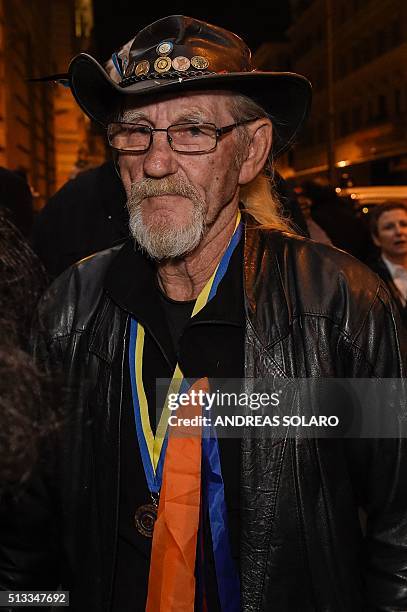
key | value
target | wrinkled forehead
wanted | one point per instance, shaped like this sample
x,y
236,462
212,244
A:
x,y
204,106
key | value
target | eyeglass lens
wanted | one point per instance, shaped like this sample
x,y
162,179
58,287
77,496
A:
x,y
186,137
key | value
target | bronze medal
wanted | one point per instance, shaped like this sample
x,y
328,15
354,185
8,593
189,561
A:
x,y
199,62
162,64
130,69
181,63
142,68
145,518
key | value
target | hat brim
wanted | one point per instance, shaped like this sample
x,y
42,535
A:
x,y
286,96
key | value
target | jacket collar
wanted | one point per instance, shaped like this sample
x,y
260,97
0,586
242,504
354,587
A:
x,y
130,283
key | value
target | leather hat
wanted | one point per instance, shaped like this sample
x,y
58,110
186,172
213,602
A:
x,y
177,54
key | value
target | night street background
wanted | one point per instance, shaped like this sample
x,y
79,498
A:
x,y
354,52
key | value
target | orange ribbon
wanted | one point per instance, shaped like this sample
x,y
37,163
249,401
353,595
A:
x,y
171,585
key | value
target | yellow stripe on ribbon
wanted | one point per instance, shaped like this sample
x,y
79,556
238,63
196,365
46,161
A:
x,y
155,443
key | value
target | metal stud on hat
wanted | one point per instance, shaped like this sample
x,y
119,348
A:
x,y
162,64
165,48
142,68
181,63
199,62
130,68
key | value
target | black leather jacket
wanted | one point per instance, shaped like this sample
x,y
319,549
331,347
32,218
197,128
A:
x,y
311,311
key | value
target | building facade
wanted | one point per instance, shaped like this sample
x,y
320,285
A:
x,y
43,134
368,112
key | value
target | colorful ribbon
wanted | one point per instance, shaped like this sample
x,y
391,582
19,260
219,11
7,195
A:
x,y
172,567
171,585
116,63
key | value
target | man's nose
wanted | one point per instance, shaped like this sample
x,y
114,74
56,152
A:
x,y
160,160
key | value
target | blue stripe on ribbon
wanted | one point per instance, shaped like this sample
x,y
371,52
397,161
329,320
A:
x,y
223,266
226,571
153,480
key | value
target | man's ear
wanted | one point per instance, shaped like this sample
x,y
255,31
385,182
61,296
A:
x,y
260,132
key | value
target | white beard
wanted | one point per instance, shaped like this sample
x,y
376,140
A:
x,y
161,240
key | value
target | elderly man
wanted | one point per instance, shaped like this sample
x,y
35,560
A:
x,y
273,523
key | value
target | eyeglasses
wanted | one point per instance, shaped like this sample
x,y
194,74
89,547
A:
x,y
189,138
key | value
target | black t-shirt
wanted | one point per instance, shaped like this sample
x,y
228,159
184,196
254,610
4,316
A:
x,y
210,344
177,315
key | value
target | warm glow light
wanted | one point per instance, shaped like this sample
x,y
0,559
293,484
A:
x,y
83,18
343,163
353,196
338,189
365,210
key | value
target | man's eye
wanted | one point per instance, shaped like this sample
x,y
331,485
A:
x,y
194,130
140,129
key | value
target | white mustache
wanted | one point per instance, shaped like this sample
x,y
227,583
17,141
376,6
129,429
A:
x,y
157,187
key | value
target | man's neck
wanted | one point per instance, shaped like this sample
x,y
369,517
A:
x,y
183,279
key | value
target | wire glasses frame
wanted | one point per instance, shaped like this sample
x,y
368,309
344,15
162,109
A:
x,y
188,138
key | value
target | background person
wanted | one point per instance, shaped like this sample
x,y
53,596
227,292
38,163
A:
x,y
388,225
88,214
336,218
16,200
